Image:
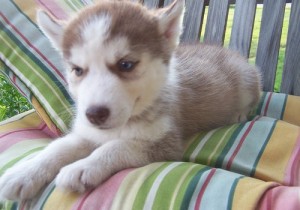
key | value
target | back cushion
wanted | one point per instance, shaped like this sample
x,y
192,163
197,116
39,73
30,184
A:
x,y
31,63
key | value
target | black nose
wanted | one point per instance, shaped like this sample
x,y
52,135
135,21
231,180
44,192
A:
x,y
97,115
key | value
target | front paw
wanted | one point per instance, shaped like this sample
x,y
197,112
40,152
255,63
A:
x,y
22,182
79,176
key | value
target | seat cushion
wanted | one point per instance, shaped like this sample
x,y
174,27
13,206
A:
x,y
250,165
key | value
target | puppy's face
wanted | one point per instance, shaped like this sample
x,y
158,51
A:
x,y
117,56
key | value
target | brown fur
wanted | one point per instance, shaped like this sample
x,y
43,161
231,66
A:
x,y
209,94
128,19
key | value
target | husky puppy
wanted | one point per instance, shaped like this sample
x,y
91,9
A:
x,y
138,95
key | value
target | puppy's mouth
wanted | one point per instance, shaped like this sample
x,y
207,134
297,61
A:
x,y
103,127
107,126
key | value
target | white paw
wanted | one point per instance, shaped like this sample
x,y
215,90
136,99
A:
x,y
22,182
79,176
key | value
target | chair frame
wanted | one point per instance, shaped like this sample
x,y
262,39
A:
x,y
241,34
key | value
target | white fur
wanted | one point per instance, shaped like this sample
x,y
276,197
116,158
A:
x,y
95,31
55,30
171,23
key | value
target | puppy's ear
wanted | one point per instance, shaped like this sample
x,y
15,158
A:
x,y
52,28
170,21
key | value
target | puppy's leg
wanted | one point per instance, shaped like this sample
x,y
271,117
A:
x,y
109,159
25,180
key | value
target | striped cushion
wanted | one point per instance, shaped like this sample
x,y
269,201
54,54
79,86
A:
x,y
28,59
253,165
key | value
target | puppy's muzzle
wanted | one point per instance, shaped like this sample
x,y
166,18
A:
x,y
97,115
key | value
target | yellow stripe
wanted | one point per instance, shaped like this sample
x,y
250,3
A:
x,y
42,113
248,193
292,110
28,7
272,165
30,120
220,143
61,200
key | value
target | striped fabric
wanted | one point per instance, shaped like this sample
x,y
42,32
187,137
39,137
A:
x,y
21,138
253,165
251,148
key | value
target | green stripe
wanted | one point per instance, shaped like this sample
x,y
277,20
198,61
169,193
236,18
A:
x,y
210,145
191,188
15,206
261,103
46,198
228,146
195,141
185,185
75,5
169,184
232,191
284,106
17,159
146,187
263,149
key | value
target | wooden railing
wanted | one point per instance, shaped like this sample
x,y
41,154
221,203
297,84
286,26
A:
x,y
241,34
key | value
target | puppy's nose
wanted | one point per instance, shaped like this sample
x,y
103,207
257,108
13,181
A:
x,y
97,115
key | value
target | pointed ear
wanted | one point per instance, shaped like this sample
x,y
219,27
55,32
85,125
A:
x,y
170,21
51,27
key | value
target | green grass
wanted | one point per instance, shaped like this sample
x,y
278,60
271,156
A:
x,y
255,37
11,101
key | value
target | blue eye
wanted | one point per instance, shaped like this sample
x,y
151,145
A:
x,y
78,71
126,66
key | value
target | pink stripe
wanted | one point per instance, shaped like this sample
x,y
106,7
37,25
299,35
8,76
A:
x,y
241,143
102,197
54,132
53,8
201,193
267,104
292,170
281,197
269,200
83,200
11,140
32,46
